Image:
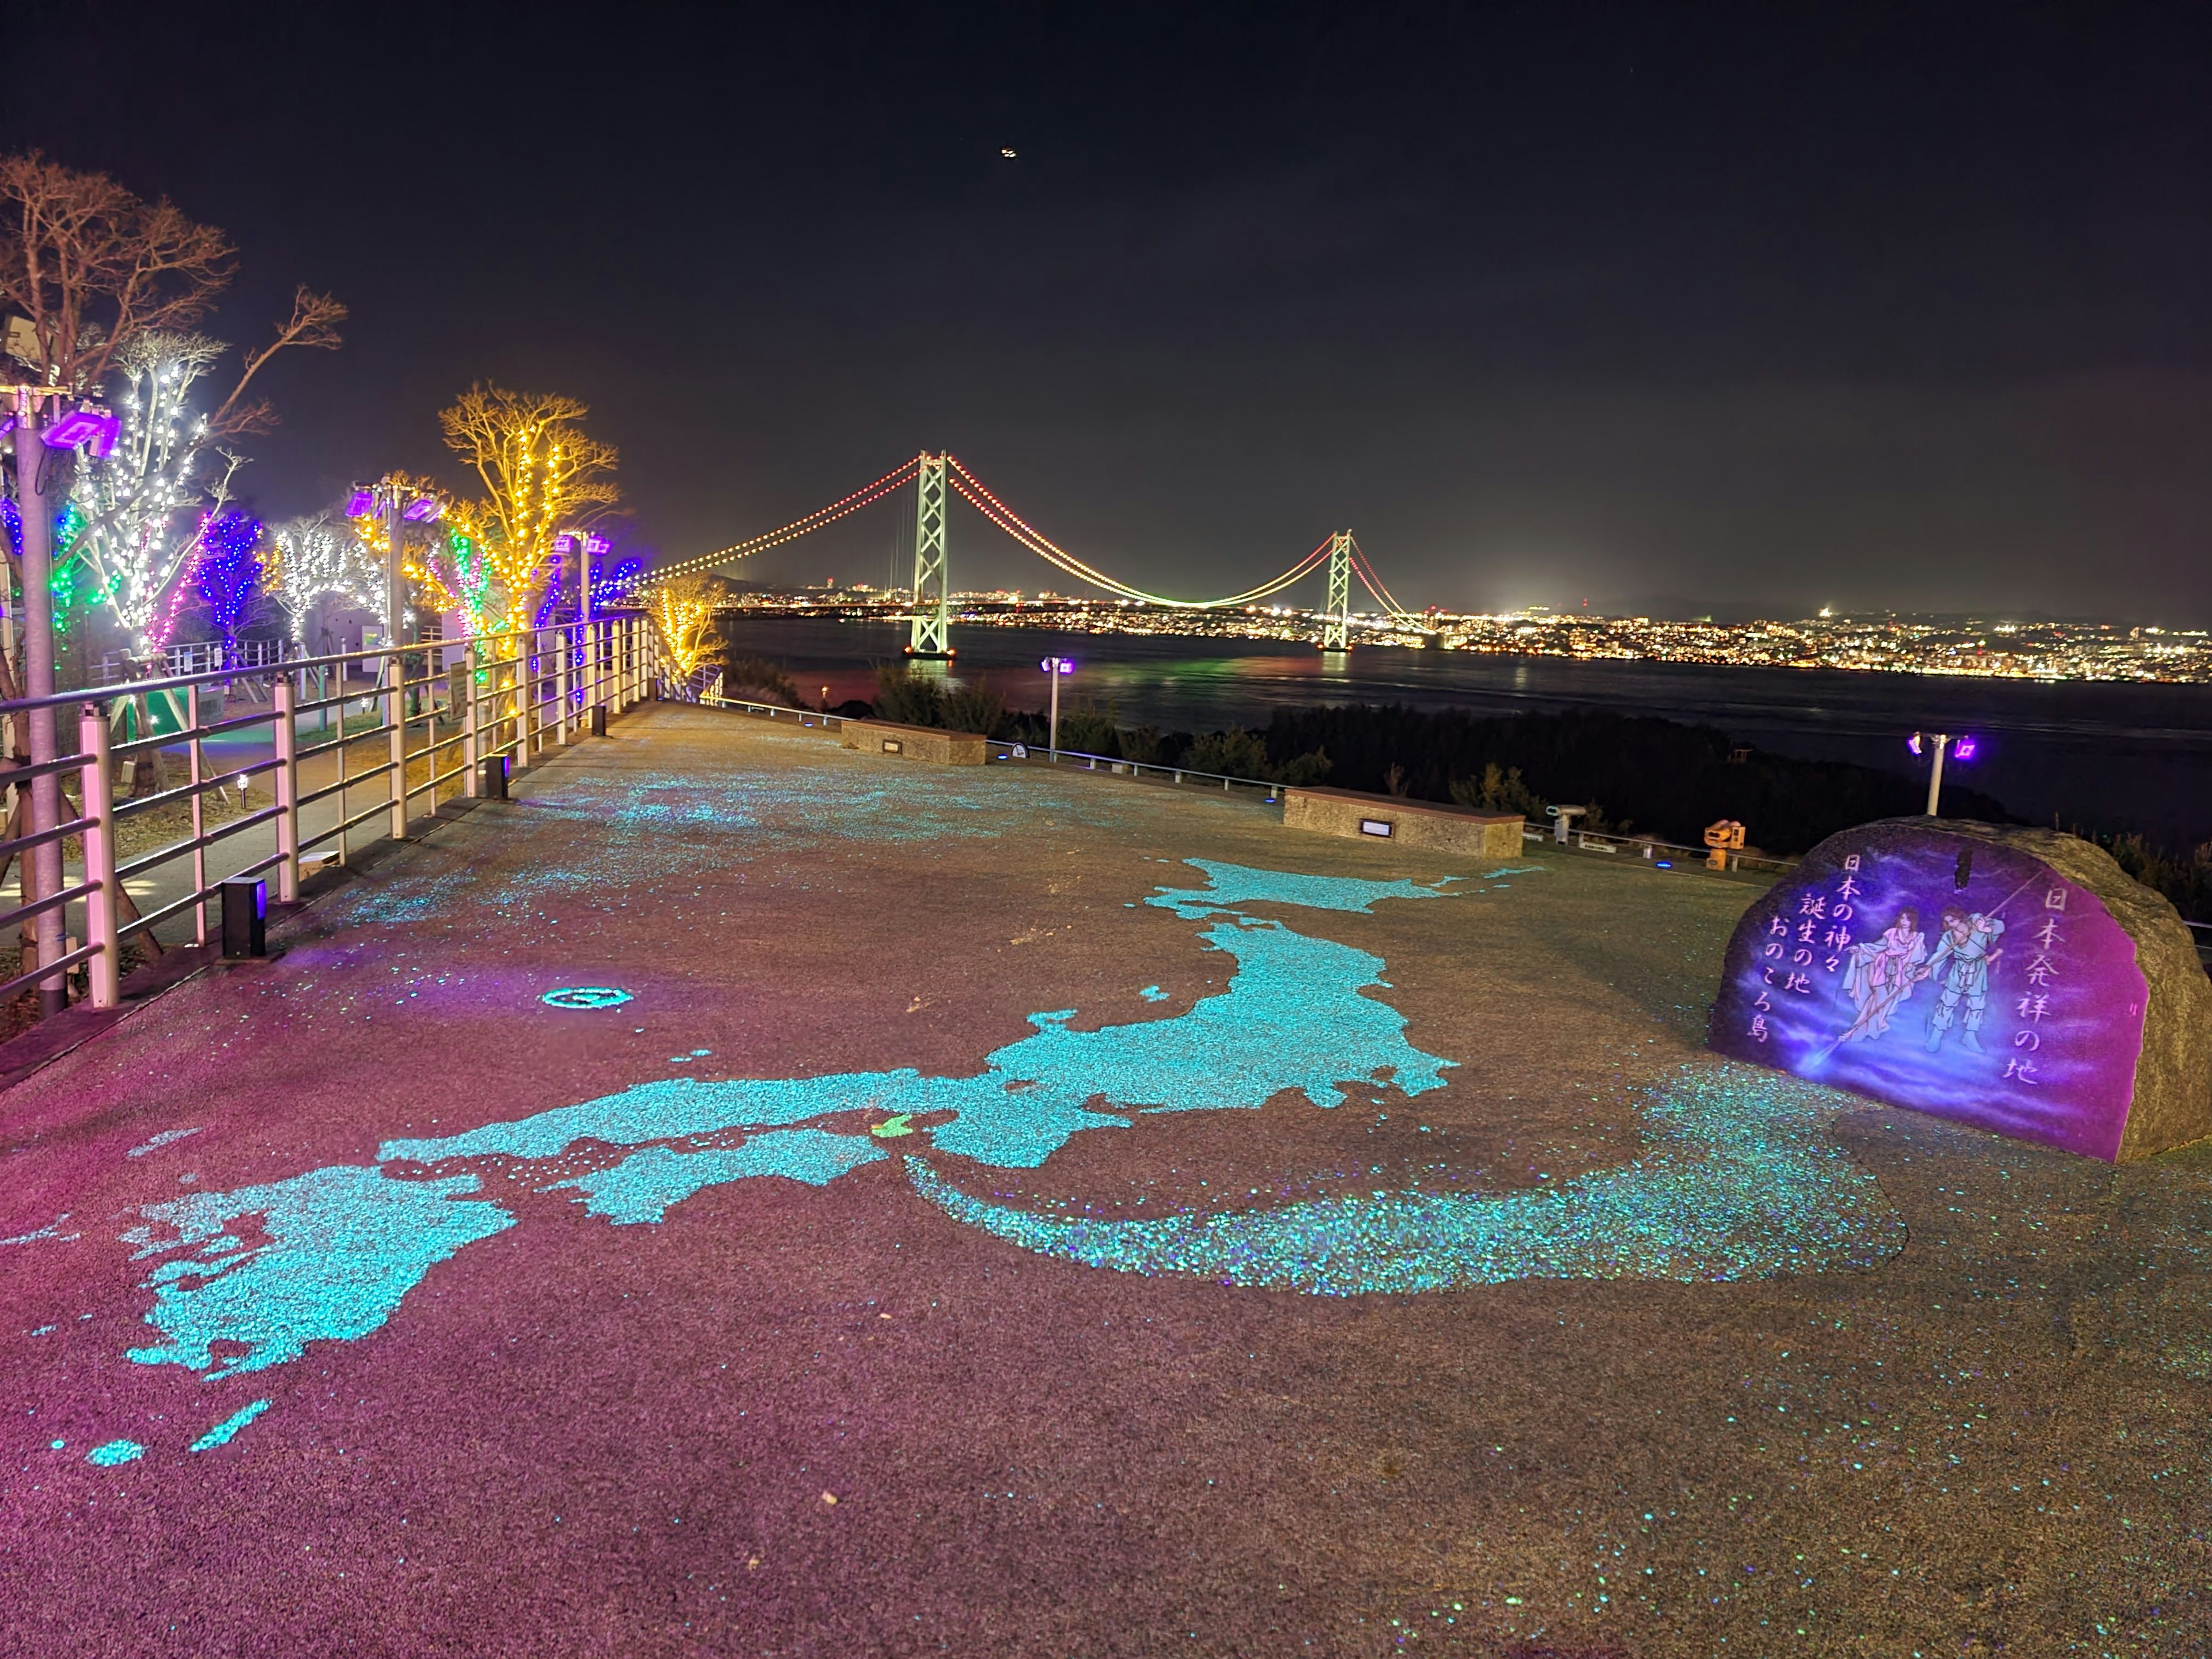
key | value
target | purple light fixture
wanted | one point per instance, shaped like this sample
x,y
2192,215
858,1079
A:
x,y
424,509
1963,749
360,503
1913,743
93,427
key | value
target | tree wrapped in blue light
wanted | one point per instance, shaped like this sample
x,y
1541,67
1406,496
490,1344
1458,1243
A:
x,y
228,575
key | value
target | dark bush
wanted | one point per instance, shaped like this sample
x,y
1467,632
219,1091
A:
x,y
1669,779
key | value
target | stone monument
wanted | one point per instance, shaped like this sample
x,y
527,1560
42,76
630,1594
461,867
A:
x,y
2015,979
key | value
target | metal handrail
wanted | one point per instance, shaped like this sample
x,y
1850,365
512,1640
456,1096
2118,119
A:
x,y
1613,841
1134,769
539,685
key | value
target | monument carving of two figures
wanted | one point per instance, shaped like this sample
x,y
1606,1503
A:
x,y
2053,999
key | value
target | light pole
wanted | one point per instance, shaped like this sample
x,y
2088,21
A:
x,y
393,499
40,488
1961,749
1055,667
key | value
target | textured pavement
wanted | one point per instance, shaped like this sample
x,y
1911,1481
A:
x,y
841,1292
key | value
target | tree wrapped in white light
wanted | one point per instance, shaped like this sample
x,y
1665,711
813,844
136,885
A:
x,y
145,501
319,557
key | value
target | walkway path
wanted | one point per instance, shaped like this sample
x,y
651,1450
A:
x,y
1024,1215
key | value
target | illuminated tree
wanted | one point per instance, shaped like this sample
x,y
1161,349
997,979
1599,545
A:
x,y
454,572
314,558
541,475
684,610
139,538
109,286
228,575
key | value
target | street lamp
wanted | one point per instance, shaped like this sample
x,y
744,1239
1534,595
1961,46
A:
x,y
37,429
1055,666
592,547
396,502
1962,748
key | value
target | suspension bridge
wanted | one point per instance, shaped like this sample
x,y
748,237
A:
x,y
936,478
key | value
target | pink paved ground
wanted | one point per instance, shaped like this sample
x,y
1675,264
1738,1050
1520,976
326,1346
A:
x,y
580,1438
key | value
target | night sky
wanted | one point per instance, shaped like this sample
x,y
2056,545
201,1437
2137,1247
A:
x,y
1680,308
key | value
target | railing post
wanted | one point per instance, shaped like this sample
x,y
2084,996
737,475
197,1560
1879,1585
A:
x,y
470,783
525,694
100,906
198,753
287,793
396,724
562,650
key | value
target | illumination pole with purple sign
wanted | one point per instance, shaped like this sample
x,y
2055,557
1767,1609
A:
x,y
45,863
1054,668
1961,748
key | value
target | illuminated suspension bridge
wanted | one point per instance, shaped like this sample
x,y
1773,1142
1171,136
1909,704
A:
x,y
937,478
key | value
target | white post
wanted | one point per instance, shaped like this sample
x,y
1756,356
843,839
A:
x,y
1936,772
526,707
100,909
288,794
470,741
563,648
396,725
1052,743
199,815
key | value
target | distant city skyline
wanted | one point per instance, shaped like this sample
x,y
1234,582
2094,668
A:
x,y
1983,648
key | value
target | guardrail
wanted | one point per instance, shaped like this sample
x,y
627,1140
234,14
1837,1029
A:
x,y
770,711
1588,841
1656,850
1081,759
500,697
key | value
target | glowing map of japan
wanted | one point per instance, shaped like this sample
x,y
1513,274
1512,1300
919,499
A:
x,y
1739,1179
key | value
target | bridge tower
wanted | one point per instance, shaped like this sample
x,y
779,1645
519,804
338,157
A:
x,y
1337,619
933,586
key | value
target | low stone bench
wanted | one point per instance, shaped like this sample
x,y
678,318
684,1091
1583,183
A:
x,y
1425,824
924,742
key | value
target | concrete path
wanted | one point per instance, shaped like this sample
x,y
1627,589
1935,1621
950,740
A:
x,y
990,1213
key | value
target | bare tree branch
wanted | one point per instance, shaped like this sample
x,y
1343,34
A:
x,y
91,266
314,324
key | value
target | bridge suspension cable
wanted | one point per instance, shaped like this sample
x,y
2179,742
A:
x,y
972,489
1373,584
866,495
1026,535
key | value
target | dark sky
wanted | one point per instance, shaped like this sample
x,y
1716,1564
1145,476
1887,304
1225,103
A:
x,y
1772,306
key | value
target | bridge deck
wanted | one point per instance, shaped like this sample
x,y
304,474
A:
x,y
1461,1304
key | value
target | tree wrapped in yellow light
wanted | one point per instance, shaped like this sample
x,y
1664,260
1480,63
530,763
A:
x,y
684,613
541,475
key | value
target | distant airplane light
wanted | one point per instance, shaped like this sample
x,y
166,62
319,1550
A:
x,y
1008,153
